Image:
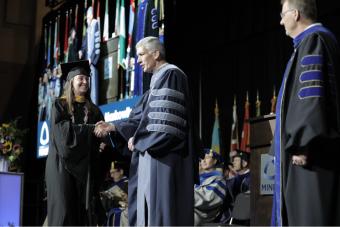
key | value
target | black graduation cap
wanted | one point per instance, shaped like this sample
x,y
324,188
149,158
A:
x,y
214,154
72,69
243,155
117,165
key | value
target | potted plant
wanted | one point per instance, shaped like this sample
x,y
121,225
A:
x,y
11,139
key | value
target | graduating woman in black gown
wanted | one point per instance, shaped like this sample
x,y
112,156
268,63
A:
x,y
72,178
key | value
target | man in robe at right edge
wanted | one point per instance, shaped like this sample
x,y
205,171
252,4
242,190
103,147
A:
x,y
307,134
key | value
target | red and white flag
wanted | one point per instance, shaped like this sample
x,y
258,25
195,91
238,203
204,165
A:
x,y
246,128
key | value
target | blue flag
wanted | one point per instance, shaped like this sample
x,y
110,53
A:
x,y
49,45
147,25
215,139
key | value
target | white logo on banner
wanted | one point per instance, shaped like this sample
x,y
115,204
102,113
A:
x,y
117,115
44,134
267,175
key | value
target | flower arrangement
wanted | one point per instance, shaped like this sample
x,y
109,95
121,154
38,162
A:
x,y
11,139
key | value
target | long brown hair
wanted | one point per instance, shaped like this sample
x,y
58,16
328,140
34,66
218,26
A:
x,y
69,97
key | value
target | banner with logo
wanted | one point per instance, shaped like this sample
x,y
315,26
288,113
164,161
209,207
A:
x,y
267,175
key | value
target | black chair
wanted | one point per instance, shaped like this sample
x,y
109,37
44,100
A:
x,y
241,211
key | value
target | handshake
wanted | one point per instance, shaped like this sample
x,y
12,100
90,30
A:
x,y
103,128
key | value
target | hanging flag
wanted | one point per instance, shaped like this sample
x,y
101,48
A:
x,y
147,25
98,16
84,22
160,8
246,128
234,143
258,104
138,77
98,11
45,42
130,62
55,51
273,101
121,32
66,39
76,19
58,40
117,24
106,22
215,139
151,26
122,36
132,13
49,45
70,18
56,48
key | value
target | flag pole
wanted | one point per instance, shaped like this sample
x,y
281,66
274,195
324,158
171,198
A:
x,y
273,101
258,104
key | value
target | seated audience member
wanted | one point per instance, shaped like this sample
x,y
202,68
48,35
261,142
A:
x,y
114,199
242,179
237,175
210,193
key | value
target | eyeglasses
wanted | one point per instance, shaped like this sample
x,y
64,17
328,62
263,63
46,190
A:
x,y
284,13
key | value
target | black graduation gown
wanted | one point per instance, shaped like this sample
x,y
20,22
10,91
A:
x,y
173,159
73,151
310,122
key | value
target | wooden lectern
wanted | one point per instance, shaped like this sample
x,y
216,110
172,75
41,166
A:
x,y
261,135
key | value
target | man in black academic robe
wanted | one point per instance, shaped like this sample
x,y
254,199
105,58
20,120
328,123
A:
x,y
307,134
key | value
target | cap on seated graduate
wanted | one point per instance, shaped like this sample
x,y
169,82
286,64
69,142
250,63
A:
x,y
214,154
117,165
72,69
245,156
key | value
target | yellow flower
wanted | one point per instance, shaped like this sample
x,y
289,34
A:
x,y
7,146
5,125
10,143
